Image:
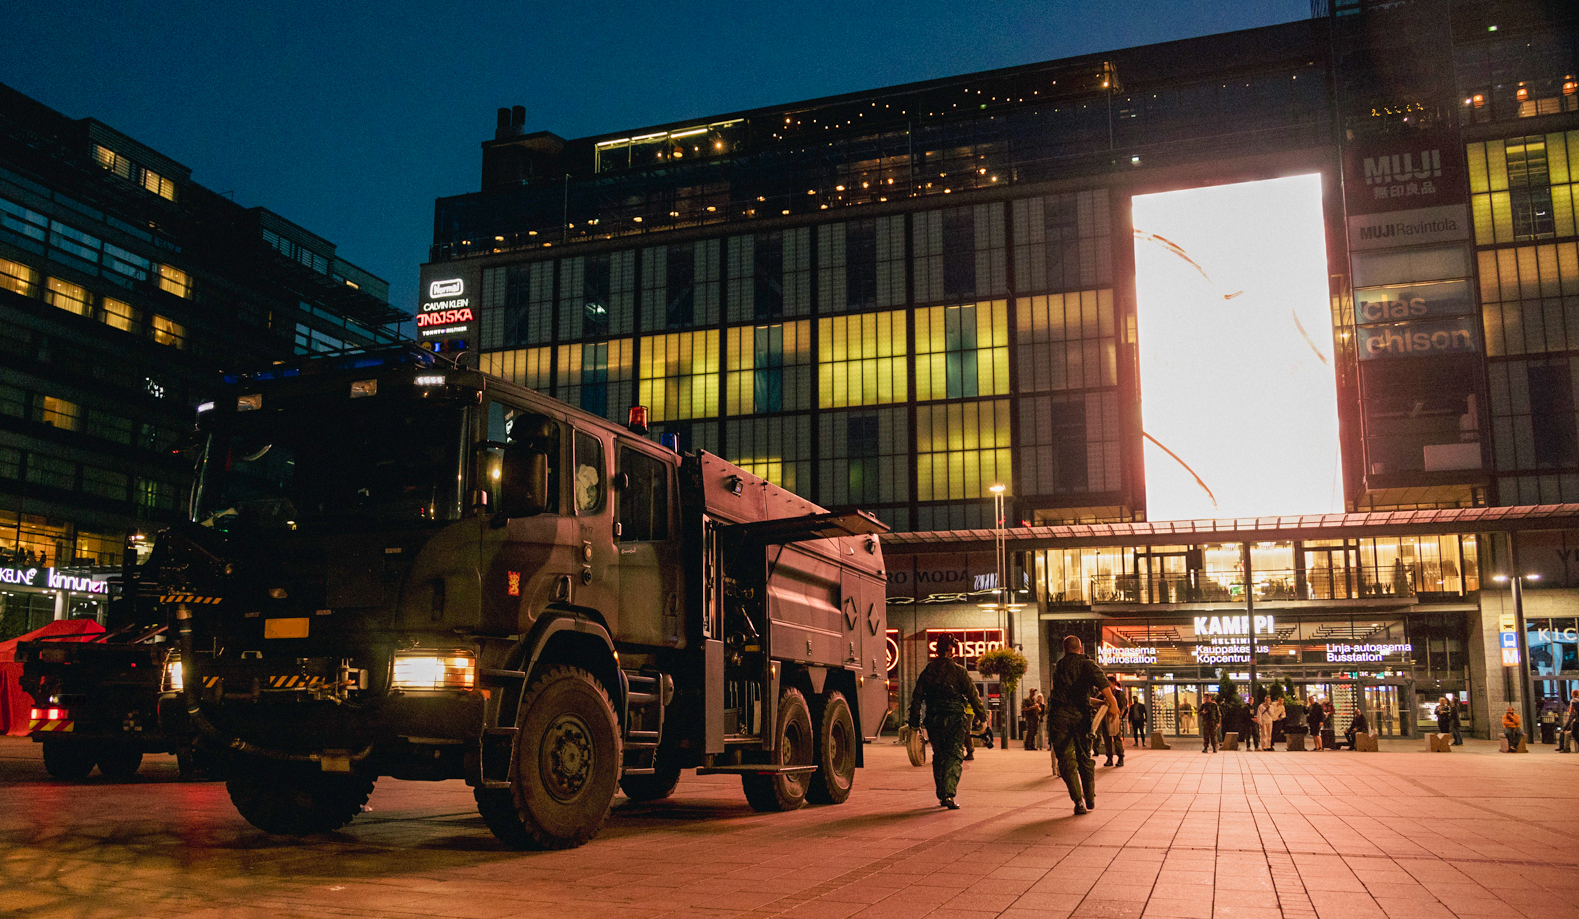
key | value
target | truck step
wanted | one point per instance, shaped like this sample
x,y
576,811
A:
x,y
494,784
504,676
638,736
499,732
757,769
631,771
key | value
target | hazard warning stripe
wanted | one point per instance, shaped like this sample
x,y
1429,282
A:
x,y
55,726
188,598
211,681
293,682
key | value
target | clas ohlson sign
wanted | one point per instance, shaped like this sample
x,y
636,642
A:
x,y
1416,319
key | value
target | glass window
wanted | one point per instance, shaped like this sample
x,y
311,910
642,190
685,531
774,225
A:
x,y
51,472
69,297
680,285
1532,413
104,482
598,377
10,462
644,499
776,448
59,413
861,264
679,375
18,278
18,219
1420,413
109,426
769,368
959,253
770,275
169,332
120,315
526,366
1530,298
74,242
1063,241
517,305
864,457
961,449
13,401
597,295
174,280
1066,341
590,479
1070,444
962,351
862,360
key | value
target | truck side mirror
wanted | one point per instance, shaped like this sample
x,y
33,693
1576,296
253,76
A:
x,y
524,481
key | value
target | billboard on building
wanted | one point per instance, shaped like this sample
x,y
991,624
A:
x,y
1406,190
1234,328
448,302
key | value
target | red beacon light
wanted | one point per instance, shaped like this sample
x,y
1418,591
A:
x,y
638,420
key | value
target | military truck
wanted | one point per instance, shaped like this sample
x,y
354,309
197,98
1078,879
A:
x,y
402,568
105,700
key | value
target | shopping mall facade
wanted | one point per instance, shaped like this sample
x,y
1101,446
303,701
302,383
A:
x,y
1326,267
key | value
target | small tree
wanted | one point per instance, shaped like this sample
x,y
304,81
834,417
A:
x,y
1227,692
1008,665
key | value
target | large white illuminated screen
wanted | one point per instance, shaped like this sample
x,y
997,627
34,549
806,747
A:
x,y
1236,356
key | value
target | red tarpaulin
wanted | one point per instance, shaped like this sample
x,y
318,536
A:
x,y
14,703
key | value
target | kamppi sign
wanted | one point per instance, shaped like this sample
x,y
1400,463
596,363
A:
x,y
447,308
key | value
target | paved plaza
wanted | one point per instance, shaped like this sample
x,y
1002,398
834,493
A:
x,y
1399,834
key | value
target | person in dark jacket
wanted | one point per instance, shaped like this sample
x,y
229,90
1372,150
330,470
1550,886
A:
x,y
1315,717
1211,720
1137,719
1075,679
1359,724
1444,716
1032,708
1455,722
946,690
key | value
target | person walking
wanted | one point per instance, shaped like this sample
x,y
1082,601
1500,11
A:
x,y
1315,718
1075,678
1455,721
1112,729
1137,719
1186,717
1032,709
946,690
1211,718
1511,729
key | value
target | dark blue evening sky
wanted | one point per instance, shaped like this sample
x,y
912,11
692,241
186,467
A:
x,y
350,118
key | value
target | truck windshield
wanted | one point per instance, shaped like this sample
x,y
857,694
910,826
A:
x,y
368,460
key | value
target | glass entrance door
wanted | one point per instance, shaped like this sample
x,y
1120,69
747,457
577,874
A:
x,y
1328,574
1164,578
1381,707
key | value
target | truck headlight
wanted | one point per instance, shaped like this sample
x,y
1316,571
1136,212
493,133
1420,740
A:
x,y
434,670
174,681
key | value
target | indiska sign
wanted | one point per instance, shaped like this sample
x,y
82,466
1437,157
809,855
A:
x,y
446,311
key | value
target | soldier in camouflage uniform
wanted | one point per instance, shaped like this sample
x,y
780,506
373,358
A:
x,y
947,690
1075,678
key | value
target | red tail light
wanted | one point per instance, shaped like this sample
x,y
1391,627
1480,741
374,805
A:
x,y
49,714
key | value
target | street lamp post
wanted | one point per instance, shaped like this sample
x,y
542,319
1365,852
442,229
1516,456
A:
x,y
1004,603
1521,678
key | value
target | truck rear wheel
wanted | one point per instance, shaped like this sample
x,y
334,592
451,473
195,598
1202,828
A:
x,y
794,747
119,760
566,765
67,760
653,787
291,799
835,758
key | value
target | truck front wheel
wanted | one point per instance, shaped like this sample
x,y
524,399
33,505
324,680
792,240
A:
x,y
120,760
836,741
566,765
67,760
291,799
794,747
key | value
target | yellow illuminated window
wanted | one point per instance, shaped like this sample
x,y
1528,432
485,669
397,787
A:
x,y
60,413
18,278
862,360
67,296
1522,188
962,351
112,161
679,375
1530,298
962,448
526,366
118,315
597,377
768,368
175,281
168,332
777,448
1066,341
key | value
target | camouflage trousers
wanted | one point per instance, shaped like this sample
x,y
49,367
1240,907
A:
x,y
947,734
1070,740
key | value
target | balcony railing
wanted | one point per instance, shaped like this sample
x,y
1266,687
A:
x,y
1360,583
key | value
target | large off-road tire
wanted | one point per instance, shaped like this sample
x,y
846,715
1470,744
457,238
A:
x,y
566,765
295,799
198,764
835,752
653,787
69,761
794,747
119,760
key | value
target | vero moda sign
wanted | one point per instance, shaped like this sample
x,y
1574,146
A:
x,y
1407,190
